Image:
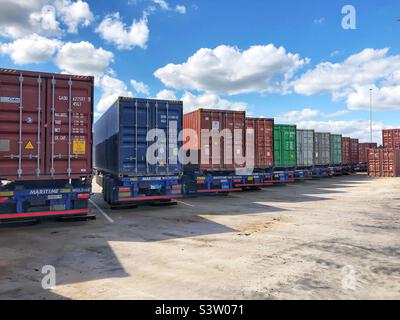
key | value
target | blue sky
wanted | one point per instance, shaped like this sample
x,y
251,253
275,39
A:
x,y
320,80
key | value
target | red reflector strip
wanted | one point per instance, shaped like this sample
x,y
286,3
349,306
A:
x,y
218,190
176,187
124,190
42,214
201,182
2,200
84,196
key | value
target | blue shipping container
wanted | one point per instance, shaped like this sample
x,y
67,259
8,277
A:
x,y
121,142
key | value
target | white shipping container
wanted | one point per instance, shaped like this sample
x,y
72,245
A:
x,y
305,148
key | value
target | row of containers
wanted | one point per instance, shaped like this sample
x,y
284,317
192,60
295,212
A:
x,y
385,161
141,149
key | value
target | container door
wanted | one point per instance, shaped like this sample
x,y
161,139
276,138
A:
x,y
69,132
22,105
277,146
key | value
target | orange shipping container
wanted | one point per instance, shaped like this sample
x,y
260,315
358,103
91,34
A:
x,y
363,150
229,149
346,153
391,138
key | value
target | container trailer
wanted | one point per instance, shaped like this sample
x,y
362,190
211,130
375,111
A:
x,y
45,145
384,162
391,138
305,154
285,153
136,151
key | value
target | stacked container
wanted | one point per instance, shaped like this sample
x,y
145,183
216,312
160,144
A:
x,y
336,149
384,162
305,148
391,138
285,146
322,149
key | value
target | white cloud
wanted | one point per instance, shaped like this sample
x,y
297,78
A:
x,y
112,88
352,79
227,70
113,30
308,114
140,87
83,58
74,14
31,49
319,21
210,101
20,18
180,9
166,95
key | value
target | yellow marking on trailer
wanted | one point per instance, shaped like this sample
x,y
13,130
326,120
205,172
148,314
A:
x,y
6,194
79,147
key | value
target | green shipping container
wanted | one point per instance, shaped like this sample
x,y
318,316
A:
x,y
285,145
336,149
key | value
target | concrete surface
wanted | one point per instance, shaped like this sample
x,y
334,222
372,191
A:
x,y
335,238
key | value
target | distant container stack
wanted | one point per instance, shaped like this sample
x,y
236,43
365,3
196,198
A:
x,y
363,151
285,146
322,149
305,148
346,151
336,149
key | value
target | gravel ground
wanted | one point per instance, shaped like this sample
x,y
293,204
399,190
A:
x,y
334,238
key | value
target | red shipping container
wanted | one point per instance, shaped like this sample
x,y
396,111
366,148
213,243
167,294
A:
x,y
354,151
208,119
45,126
363,150
391,138
263,141
346,150
384,162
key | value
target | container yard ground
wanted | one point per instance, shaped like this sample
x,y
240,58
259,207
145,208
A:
x,y
285,242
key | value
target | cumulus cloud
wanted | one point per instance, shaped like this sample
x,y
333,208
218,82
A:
x,y
307,114
113,30
180,9
83,58
20,18
112,88
210,100
164,5
352,78
166,95
31,49
228,70
140,87
74,14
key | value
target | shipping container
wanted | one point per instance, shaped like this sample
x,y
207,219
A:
x,y
363,151
354,151
305,148
224,152
322,148
285,145
384,162
391,138
263,141
336,149
346,151
137,150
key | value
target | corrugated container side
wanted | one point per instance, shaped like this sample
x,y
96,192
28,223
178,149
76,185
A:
x,y
263,141
384,162
336,149
209,119
391,138
305,148
45,126
121,137
322,149
363,150
285,145
354,151
346,154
